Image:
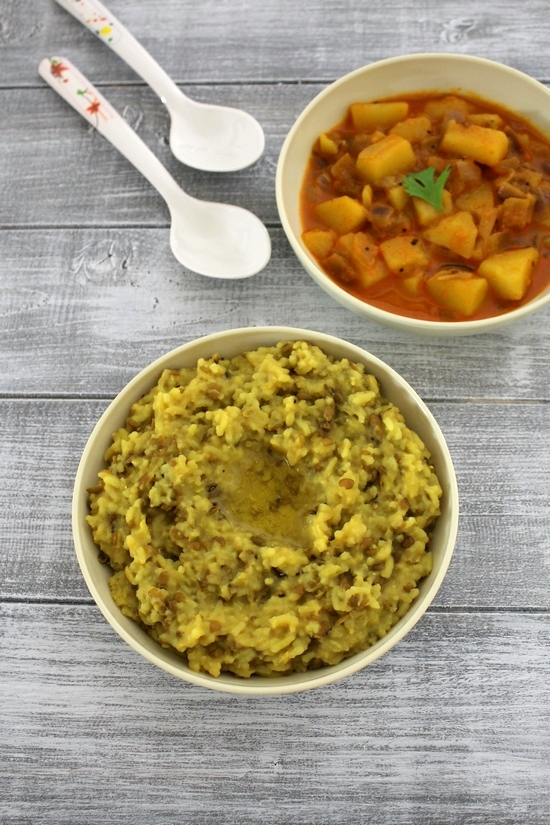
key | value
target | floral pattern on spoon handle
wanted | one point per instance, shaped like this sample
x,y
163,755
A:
x,y
96,18
99,20
79,92
76,90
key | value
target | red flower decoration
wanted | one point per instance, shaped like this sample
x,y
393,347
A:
x,y
57,69
93,108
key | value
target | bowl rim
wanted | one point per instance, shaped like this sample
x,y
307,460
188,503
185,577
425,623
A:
x,y
169,662
363,308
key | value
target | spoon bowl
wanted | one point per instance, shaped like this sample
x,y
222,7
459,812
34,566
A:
x,y
214,239
217,239
212,138
205,136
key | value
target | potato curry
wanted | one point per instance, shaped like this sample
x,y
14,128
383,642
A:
x,y
433,207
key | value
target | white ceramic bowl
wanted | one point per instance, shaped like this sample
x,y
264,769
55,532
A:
x,y
401,75
229,344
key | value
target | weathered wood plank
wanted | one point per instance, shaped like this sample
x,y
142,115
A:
x,y
502,468
88,182
278,41
451,726
83,310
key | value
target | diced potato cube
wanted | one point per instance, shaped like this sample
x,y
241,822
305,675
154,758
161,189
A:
x,y
413,284
490,120
342,214
345,245
456,232
404,253
392,155
366,196
327,146
398,197
457,290
449,105
414,129
363,254
517,213
427,214
320,242
378,115
478,200
376,136
378,272
509,273
487,146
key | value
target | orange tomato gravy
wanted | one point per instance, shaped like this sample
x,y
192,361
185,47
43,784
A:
x,y
528,145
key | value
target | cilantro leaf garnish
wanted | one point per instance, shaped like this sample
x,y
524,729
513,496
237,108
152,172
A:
x,y
422,185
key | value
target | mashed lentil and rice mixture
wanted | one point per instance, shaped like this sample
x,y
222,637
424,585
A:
x,y
266,514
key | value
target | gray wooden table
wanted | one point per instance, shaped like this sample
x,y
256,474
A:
x,y
453,725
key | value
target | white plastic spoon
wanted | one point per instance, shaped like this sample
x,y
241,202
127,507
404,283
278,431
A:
x,y
215,239
207,137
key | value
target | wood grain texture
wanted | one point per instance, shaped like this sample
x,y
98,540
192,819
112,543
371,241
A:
x,y
452,727
246,40
84,309
93,184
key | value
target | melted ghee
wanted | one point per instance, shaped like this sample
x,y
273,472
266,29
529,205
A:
x,y
264,493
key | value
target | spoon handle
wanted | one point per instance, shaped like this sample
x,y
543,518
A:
x,y
73,87
99,20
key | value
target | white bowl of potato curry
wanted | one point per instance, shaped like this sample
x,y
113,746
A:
x,y
416,192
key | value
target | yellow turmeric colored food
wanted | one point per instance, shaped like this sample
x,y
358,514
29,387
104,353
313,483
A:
x,y
431,206
265,514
